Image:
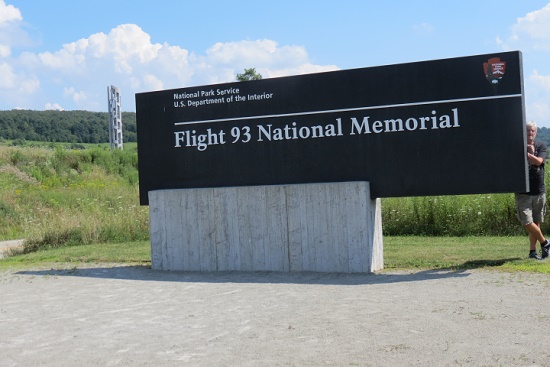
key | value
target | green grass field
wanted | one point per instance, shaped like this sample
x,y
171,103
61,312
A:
x,y
472,252
413,253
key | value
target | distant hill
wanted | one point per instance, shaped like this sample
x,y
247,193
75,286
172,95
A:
x,y
63,126
543,134
86,126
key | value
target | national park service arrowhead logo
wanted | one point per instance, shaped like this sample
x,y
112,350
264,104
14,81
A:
x,y
494,69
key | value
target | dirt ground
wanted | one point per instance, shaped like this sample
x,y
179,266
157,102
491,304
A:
x,y
133,316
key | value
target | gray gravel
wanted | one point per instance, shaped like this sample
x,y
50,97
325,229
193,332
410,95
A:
x,y
134,316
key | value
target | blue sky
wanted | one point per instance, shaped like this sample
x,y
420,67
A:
x,y
63,54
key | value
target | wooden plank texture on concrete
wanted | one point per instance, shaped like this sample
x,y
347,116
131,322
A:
x,y
325,227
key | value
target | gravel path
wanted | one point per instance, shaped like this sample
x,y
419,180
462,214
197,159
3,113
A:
x,y
133,316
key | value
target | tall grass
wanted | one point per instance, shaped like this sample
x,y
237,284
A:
x,y
459,215
55,196
464,215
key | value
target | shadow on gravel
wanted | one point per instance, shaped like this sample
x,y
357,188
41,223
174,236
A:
x,y
476,264
145,273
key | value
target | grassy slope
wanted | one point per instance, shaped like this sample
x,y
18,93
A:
x,y
56,196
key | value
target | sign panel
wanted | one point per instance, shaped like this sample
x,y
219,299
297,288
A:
x,y
441,127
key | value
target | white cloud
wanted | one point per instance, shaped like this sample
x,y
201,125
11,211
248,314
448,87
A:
x,y
79,97
69,60
537,98
15,87
8,13
7,76
539,112
4,50
531,32
265,52
543,81
10,19
78,73
228,53
266,56
531,35
28,85
535,27
53,106
152,82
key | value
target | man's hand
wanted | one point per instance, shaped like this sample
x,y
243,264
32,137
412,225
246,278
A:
x,y
534,160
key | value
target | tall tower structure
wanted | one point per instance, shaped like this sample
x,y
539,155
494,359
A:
x,y
115,118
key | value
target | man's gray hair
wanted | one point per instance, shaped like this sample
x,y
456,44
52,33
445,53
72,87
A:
x,y
532,124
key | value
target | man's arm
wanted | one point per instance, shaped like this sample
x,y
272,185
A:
x,y
541,156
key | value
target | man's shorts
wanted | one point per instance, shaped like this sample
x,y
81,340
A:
x,y
530,208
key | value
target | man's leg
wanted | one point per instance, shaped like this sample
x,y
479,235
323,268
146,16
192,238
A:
x,y
525,211
535,235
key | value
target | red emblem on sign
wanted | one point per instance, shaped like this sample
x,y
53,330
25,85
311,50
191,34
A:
x,y
494,69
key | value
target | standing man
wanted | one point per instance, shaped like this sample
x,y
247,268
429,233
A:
x,y
531,206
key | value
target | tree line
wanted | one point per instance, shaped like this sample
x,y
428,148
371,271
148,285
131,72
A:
x,y
543,134
92,127
63,126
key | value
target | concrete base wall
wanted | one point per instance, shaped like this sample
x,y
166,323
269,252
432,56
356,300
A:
x,y
327,227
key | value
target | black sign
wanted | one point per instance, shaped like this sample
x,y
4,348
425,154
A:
x,y
442,127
